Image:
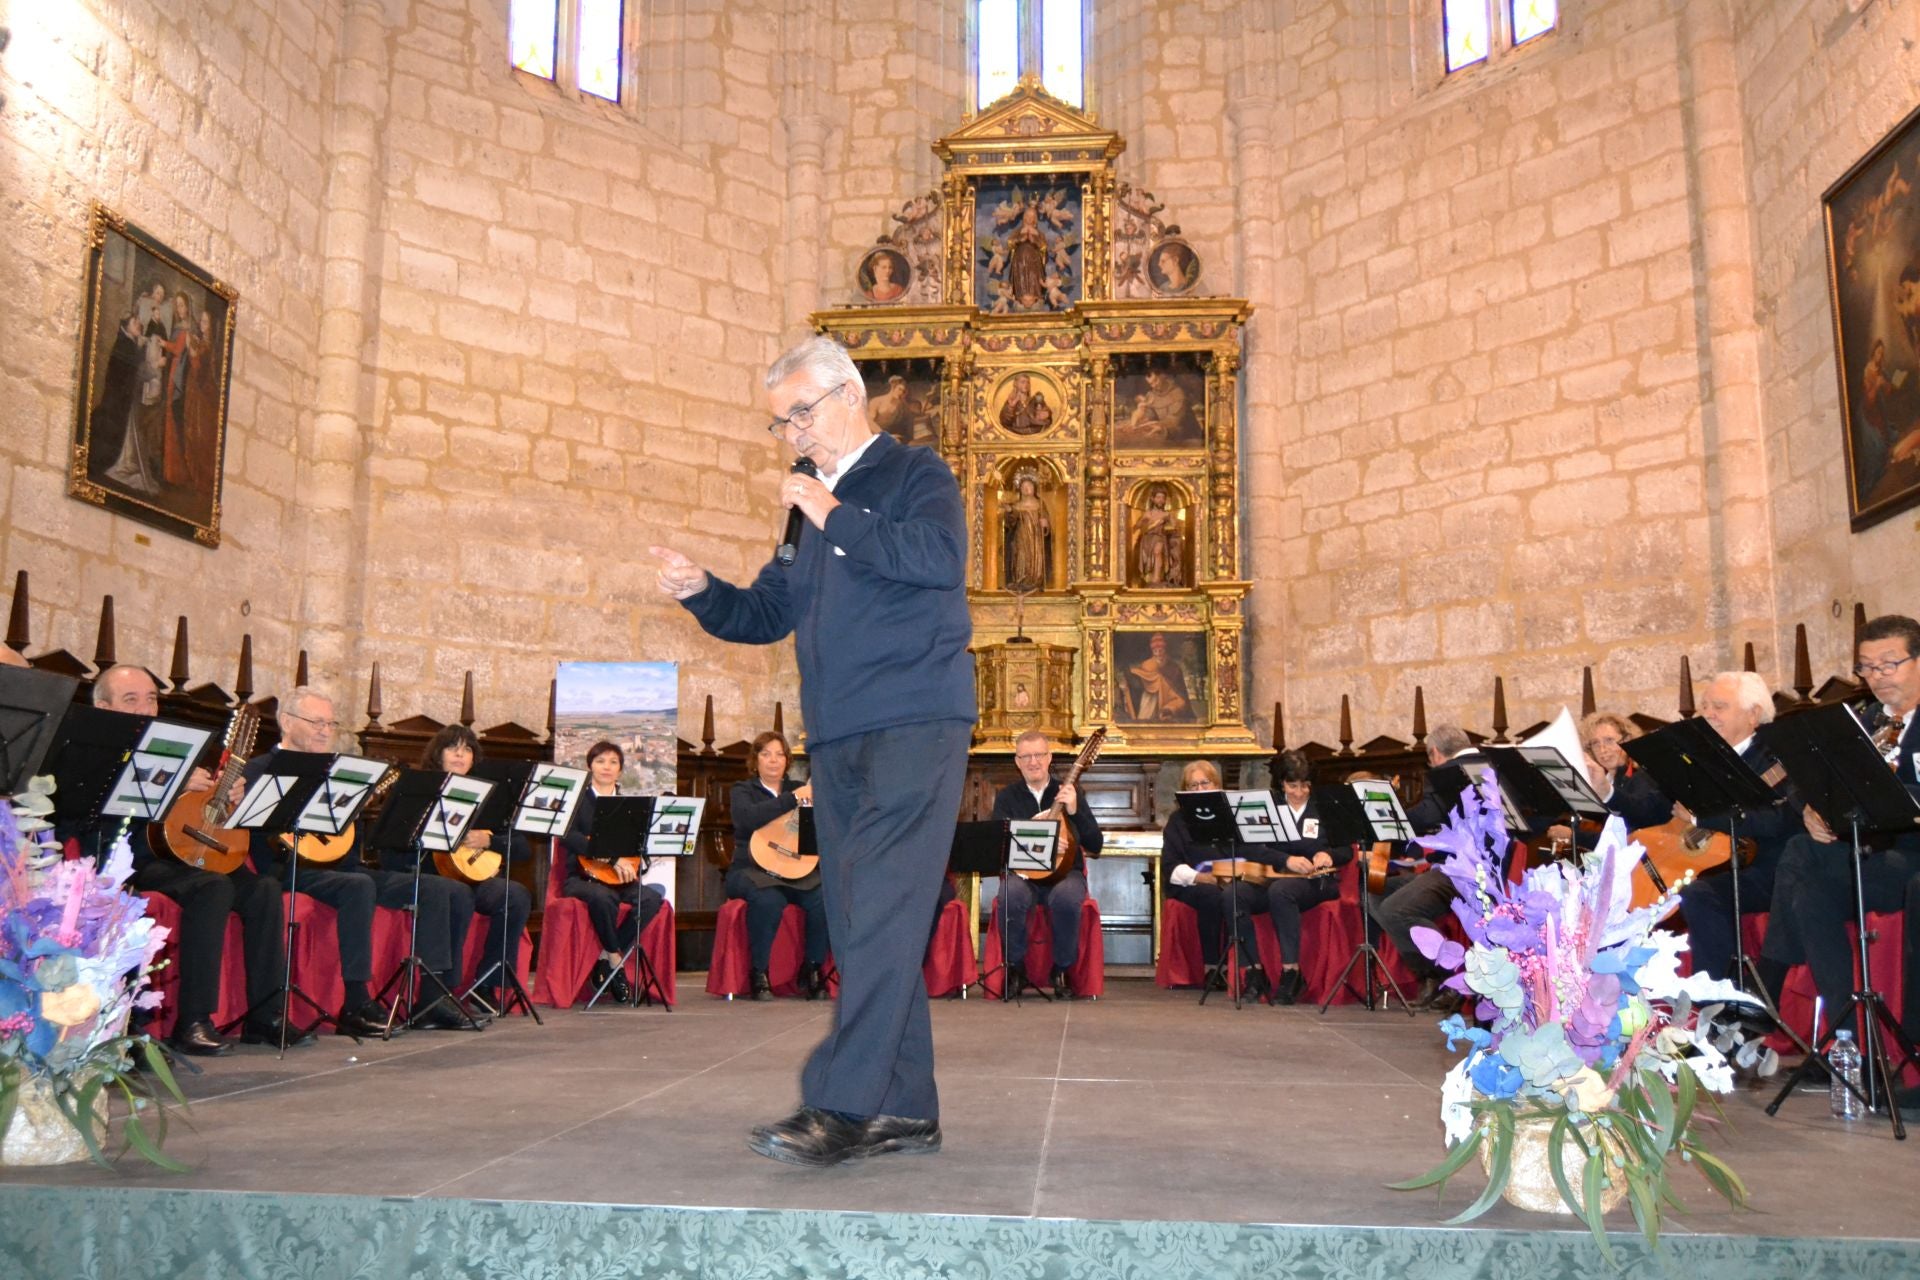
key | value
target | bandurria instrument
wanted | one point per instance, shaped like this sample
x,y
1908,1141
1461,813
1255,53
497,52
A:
x,y
318,849
776,848
1067,849
473,866
1222,870
192,831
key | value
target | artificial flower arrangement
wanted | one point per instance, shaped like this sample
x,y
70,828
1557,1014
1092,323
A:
x,y
1587,1028
76,950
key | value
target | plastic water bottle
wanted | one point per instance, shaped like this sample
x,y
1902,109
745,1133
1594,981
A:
x,y
1845,1057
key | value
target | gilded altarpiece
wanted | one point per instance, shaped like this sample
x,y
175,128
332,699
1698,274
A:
x,y
1059,356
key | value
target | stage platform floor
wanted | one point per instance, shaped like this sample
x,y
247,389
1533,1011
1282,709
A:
x,y
1140,1106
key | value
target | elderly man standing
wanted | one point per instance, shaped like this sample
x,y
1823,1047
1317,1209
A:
x,y
876,602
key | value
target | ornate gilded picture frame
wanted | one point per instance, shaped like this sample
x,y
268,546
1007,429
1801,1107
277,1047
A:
x,y
1873,267
156,358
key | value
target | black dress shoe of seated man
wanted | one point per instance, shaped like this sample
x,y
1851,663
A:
x,y
369,1022
442,1016
904,1134
199,1040
810,1137
269,1030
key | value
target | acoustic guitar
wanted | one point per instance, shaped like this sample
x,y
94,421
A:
x,y
775,848
193,830
322,850
1066,849
1674,848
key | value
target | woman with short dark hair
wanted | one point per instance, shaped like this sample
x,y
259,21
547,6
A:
x,y
605,761
754,802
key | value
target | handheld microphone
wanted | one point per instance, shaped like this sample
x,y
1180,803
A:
x,y
796,519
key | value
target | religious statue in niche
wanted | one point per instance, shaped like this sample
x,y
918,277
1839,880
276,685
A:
x,y
1028,241
1154,683
903,399
1154,410
1156,554
1026,537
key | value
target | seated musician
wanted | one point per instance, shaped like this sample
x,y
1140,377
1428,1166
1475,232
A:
x,y
1813,898
1627,789
1033,794
1736,704
346,884
1180,858
454,750
754,803
605,761
1423,897
205,898
1311,863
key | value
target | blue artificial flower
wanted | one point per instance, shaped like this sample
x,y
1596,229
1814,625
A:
x,y
1455,1027
1495,1077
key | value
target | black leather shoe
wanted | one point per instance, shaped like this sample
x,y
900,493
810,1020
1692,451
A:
x,y
1061,991
1256,984
1446,1002
441,1016
1216,980
903,1134
810,1137
199,1040
1291,985
369,1022
267,1031
1424,993
758,987
813,981
620,991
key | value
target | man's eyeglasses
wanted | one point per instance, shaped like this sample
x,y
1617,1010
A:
x,y
802,418
1882,668
1030,756
328,725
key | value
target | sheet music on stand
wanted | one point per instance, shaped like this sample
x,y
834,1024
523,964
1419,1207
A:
x,y
1478,768
32,704
452,813
329,791
1837,769
552,794
674,826
100,769
156,772
1258,819
1381,808
1031,845
1545,784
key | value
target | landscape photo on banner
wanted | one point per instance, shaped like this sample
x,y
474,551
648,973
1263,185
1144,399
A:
x,y
635,706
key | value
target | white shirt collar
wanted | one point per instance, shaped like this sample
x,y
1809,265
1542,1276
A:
x,y
847,462
1038,791
1740,747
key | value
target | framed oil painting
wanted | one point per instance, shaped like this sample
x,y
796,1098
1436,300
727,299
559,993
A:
x,y
1160,677
1159,404
903,399
156,356
1873,264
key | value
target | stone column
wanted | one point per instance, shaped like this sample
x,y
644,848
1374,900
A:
x,y
806,184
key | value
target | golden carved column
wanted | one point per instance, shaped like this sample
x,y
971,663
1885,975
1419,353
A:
x,y
953,412
1097,243
957,195
1223,475
1096,650
1227,623
1097,378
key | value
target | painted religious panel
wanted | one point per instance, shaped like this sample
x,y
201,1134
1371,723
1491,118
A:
x,y
1027,237
903,399
1159,403
1873,252
156,353
1027,403
1160,677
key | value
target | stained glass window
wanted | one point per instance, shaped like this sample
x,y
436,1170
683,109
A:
x,y
533,35
598,65
1469,32
1060,50
997,28
1533,18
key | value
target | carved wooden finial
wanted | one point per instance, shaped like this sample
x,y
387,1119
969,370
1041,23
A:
x,y
177,677
1346,725
779,719
466,701
1802,663
1587,704
375,705
1686,688
1859,625
1279,727
706,729
1746,659
103,643
553,707
1419,716
300,673
1499,709
243,681
17,619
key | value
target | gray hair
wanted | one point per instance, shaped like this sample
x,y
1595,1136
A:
x,y
1752,692
102,696
290,705
823,361
1449,740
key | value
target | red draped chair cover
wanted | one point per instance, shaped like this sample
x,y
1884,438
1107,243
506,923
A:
x,y
569,949
1088,976
1328,933
730,972
950,963
481,951
165,979
316,952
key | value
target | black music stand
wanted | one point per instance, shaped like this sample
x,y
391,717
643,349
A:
x,y
417,817
1694,766
276,805
1836,768
1014,982
515,786
1545,786
1209,819
979,849
622,826
1344,813
32,704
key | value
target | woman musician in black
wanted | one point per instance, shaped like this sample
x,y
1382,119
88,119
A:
x,y
755,802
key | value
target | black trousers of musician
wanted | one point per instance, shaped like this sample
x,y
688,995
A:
x,y
884,811
1062,899
1214,909
1408,901
446,909
1707,905
205,899
766,904
1813,905
1288,899
507,905
603,909
351,894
